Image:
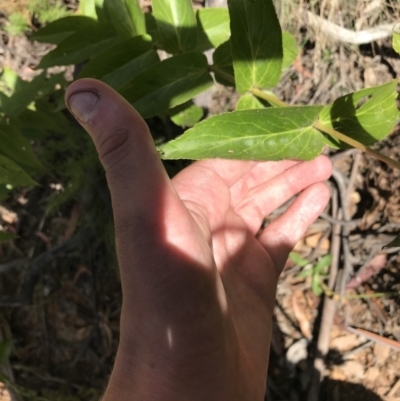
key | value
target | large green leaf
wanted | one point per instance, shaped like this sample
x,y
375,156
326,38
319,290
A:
x,y
56,31
256,39
27,92
176,24
186,114
168,84
222,67
14,146
213,27
126,16
290,49
120,64
269,134
12,174
81,45
367,116
33,120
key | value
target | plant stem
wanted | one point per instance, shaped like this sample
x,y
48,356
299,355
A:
x,y
355,144
223,74
269,98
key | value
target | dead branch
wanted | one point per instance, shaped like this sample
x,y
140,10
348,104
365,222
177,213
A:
x,y
340,34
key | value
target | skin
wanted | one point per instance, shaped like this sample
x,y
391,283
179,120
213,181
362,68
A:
x,y
198,282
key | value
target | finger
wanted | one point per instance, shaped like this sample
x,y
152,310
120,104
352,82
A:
x,y
206,183
259,174
265,198
143,199
229,170
280,237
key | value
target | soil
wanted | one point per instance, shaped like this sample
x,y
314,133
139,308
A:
x,y
60,294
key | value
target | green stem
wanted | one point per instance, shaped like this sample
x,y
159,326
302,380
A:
x,y
223,74
269,98
355,144
336,296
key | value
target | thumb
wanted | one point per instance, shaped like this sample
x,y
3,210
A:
x,y
126,149
148,213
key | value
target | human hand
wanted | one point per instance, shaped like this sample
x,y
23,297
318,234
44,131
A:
x,y
198,284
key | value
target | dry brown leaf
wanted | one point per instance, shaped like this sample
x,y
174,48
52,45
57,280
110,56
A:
x,y
352,369
8,216
382,353
317,239
345,343
376,264
299,312
372,373
4,393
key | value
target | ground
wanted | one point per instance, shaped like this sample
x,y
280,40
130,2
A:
x,y
59,287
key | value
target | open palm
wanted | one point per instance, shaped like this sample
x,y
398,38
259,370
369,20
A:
x,y
198,277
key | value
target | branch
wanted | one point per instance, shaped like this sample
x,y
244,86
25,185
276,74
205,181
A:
x,y
340,34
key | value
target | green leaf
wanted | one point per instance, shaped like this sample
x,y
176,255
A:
x,y
176,24
296,258
10,78
396,38
126,16
57,31
249,102
256,39
87,8
305,273
14,146
5,346
32,120
27,92
290,50
121,63
4,192
223,67
316,285
212,28
80,46
269,134
4,237
322,264
151,26
367,116
12,174
93,9
168,84
186,114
